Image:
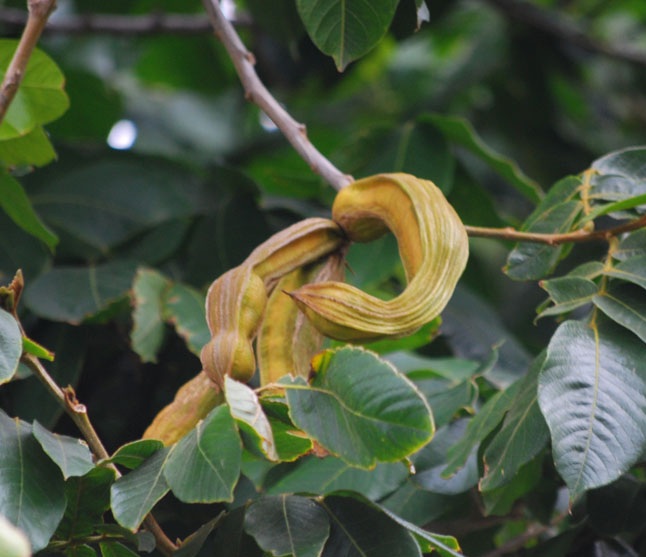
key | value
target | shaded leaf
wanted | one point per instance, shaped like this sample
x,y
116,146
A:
x,y
32,493
133,454
246,410
184,308
625,305
500,500
71,455
522,436
290,442
147,332
412,503
632,245
116,549
134,495
10,346
568,293
72,294
16,204
592,392
191,545
360,408
204,466
619,175
632,269
354,525
288,525
346,31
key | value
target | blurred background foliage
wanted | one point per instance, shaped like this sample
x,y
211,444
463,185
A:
x,y
162,163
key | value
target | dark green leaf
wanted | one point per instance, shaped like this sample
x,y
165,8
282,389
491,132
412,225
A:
x,y
40,98
133,454
116,549
500,500
204,466
327,475
184,308
32,149
616,508
191,545
231,539
10,346
32,493
16,204
626,305
632,269
632,245
246,410
619,175
147,332
71,455
134,495
460,131
346,32
416,505
20,250
80,551
355,526
74,293
568,293
360,408
288,525
592,392
282,22
522,436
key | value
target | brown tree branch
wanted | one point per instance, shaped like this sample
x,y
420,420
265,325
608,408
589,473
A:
x,y
39,11
561,29
578,236
257,93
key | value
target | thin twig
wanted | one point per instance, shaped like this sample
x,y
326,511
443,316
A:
x,y
78,412
578,236
561,29
39,11
257,93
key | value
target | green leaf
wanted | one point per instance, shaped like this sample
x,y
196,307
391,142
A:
x,y
632,269
246,410
73,294
361,530
116,549
500,500
619,175
460,131
632,245
204,466
346,31
414,504
88,498
191,545
523,434
290,442
32,493
30,346
16,204
327,475
134,495
132,455
568,293
40,98
592,392
617,208
184,308
147,332
288,525
625,305
360,408
10,346
480,426
82,550
71,455
13,542
32,149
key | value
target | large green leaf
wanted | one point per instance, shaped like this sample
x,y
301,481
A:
x,y
16,204
522,436
132,455
360,530
134,495
32,493
626,305
592,392
288,525
326,475
346,30
360,408
460,131
204,466
32,149
40,98
10,346
147,332
72,294
71,455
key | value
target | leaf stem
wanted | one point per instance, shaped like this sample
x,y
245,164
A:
x,y
78,412
39,11
577,236
257,93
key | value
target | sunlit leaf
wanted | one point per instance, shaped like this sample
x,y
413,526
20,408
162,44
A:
x,y
32,149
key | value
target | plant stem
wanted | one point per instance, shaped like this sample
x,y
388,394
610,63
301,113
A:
x,y
78,412
39,11
257,93
578,236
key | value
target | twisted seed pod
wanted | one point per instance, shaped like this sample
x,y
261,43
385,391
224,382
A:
x,y
287,339
433,246
236,301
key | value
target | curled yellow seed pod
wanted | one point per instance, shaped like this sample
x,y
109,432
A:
x,y
433,246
